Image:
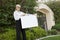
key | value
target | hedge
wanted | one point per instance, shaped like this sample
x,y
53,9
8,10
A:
x,y
30,34
57,27
7,8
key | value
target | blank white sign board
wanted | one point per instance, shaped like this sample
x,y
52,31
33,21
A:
x,y
29,21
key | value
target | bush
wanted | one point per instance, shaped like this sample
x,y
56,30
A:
x,y
39,32
30,34
8,35
57,27
7,8
55,6
52,32
35,33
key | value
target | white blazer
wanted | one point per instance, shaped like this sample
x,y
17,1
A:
x,y
18,14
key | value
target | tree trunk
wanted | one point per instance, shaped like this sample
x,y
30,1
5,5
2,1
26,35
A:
x,y
0,2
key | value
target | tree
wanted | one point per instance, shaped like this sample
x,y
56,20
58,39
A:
x,y
55,6
8,6
0,2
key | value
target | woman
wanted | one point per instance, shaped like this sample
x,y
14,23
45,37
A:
x,y
17,16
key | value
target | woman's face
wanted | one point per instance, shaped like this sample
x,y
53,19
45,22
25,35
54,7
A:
x,y
18,8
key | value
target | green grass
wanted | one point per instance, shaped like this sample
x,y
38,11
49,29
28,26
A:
x,y
52,38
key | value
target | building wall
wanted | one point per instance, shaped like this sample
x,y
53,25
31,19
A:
x,y
49,14
43,1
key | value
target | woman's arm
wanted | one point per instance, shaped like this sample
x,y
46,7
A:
x,y
22,14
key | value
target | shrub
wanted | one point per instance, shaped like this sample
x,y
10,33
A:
x,y
39,32
7,8
8,35
55,6
30,34
52,32
57,27
35,33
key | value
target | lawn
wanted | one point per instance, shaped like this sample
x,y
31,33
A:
x,y
52,38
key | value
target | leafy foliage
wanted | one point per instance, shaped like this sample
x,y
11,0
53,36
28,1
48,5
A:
x,y
7,8
39,32
52,32
57,27
55,6
30,35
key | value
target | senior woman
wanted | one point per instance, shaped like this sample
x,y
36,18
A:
x,y
17,16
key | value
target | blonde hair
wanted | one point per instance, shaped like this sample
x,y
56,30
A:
x,y
18,5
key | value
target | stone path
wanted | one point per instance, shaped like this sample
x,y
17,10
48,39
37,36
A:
x,y
47,37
